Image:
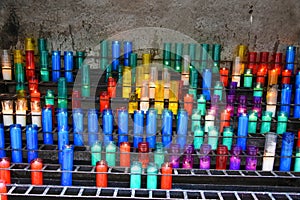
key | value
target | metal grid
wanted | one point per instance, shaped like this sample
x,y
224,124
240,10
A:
x,y
126,193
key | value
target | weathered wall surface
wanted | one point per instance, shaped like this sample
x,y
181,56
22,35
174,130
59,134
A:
x,y
264,25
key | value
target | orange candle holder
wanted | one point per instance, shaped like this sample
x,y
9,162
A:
x,y
188,103
104,101
3,190
272,77
166,176
111,87
224,120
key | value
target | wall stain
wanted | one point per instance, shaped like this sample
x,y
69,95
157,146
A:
x,y
10,30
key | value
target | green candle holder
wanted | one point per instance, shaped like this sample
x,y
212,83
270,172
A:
x,y
252,124
266,122
282,119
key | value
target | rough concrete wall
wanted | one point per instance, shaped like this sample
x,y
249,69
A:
x,y
80,24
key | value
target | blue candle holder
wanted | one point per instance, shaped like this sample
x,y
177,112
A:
x,y
138,127
78,127
242,131
67,165
32,142
93,127
16,143
47,125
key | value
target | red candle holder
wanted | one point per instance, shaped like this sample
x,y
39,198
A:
x,y
101,176
222,156
143,148
188,103
286,76
111,87
125,154
3,190
225,120
104,101
252,62
76,99
224,76
36,166
5,172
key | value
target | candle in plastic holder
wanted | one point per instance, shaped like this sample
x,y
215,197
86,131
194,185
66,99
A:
x,y
236,71
4,170
282,121
110,155
67,165
166,176
185,72
151,127
272,77
174,155
111,87
272,99
224,76
3,190
297,102
286,151
133,103
258,90
252,61
101,173
36,166
125,154
248,78
93,127
16,143
251,159
7,112
204,156
78,128
198,137
159,154
188,159
222,156
152,171
201,104
242,131
2,141
227,137
104,101
107,122
218,89
96,149
21,108
230,104
188,103
135,175
196,117
6,65
286,95
47,124
252,124
138,127
144,100
143,155
242,107
235,159
206,83
213,137
286,76
209,120
266,122
32,142
297,160
257,101
182,127
269,151
122,125
167,127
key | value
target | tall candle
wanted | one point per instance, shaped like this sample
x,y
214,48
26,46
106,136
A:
x,y
138,127
32,142
101,176
2,142
167,127
78,127
152,171
286,151
286,95
151,127
290,57
67,165
16,143
209,120
96,150
125,154
297,102
122,125
242,131
93,126
110,155
166,176
218,89
269,152
182,127
196,117
206,83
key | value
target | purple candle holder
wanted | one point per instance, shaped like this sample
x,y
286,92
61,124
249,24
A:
x,y
214,103
204,157
188,159
251,159
230,104
232,88
174,155
257,105
242,107
235,160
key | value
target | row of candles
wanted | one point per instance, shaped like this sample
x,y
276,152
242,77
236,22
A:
x,y
143,161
